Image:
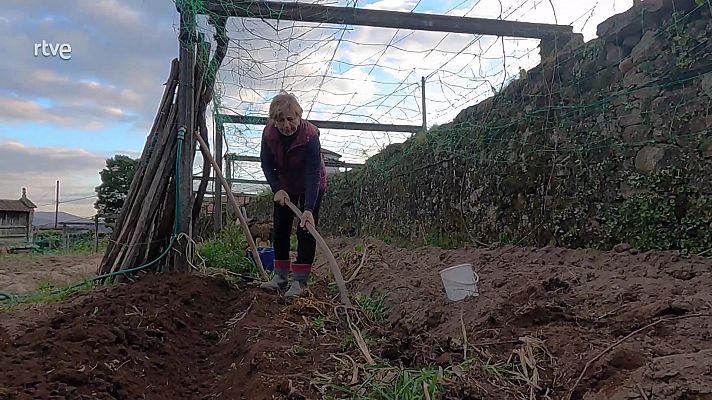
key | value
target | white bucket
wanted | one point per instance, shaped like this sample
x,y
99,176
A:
x,y
460,281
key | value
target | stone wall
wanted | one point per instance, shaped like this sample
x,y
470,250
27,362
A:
x,y
603,143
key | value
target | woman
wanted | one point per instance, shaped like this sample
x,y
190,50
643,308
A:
x,y
293,165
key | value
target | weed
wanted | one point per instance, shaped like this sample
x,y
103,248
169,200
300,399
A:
x,y
318,323
227,250
498,369
505,238
48,293
386,383
347,343
374,307
333,289
297,351
53,243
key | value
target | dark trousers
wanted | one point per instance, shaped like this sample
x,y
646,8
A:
x,y
282,232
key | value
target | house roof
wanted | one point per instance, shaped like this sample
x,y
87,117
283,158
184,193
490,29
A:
x,y
22,205
329,152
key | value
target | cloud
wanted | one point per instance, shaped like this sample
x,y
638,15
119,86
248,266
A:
x,y
17,110
38,169
121,53
121,50
393,5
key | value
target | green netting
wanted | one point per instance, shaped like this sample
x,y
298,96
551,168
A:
x,y
606,142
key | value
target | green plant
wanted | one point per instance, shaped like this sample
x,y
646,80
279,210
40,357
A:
x,y
498,369
665,214
116,179
505,238
297,351
347,343
53,242
389,383
227,250
49,293
318,323
696,226
374,307
645,221
443,241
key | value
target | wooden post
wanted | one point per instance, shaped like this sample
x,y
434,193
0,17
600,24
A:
x,y
217,186
185,120
228,174
317,13
64,236
96,233
352,126
56,207
425,118
233,202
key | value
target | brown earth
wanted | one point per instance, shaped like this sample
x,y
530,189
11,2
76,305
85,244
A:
x,y
23,273
541,316
175,336
578,302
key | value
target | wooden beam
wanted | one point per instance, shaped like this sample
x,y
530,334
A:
x,y
185,101
249,181
210,194
422,95
327,163
217,188
71,224
294,11
353,126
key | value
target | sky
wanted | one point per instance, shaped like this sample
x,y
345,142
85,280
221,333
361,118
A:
x,y
63,114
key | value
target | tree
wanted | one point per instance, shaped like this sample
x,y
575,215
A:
x,y
115,181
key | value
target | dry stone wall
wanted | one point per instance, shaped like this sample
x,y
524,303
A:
x,y
603,143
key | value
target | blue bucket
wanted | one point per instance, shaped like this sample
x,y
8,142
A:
x,y
266,256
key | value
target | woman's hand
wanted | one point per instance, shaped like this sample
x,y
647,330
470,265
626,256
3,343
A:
x,y
281,198
307,216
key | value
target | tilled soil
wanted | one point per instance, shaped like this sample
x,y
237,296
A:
x,y
578,302
541,317
173,336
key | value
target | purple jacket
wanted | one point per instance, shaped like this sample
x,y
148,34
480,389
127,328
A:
x,y
298,169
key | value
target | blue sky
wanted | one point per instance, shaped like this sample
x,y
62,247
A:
x,y
60,119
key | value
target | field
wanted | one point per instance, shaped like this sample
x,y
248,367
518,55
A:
x,y
23,273
549,323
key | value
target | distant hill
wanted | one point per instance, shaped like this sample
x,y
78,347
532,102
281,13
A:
x,y
45,219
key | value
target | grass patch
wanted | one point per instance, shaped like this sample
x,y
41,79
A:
x,y
392,383
374,307
48,293
318,323
227,250
518,375
52,243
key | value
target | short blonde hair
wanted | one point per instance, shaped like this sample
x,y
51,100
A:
x,y
284,103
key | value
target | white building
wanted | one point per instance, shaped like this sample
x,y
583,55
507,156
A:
x,y
330,156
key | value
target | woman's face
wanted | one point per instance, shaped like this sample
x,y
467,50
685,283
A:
x,y
287,123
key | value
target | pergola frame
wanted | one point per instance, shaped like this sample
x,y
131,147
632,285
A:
x,y
315,13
